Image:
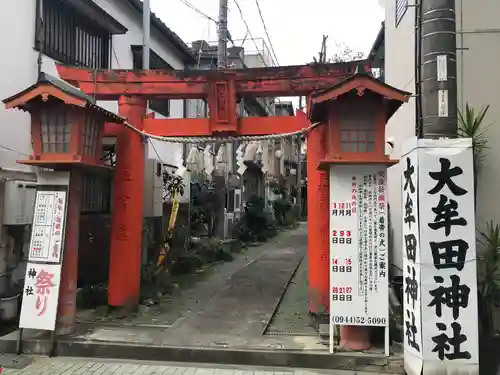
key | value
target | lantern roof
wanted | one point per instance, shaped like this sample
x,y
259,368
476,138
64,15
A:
x,y
47,87
359,83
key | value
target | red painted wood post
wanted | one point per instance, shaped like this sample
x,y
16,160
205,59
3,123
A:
x,y
126,234
318,247
66,310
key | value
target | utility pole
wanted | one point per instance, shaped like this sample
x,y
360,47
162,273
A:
x,y
146,43
438,67
222,34
299,166
222,191
146,28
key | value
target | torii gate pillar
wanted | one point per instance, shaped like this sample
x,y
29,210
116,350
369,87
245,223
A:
x,y
126,232
318,246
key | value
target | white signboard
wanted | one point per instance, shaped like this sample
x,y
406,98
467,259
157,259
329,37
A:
x,y
41,296
446,259
448,256
412,327
358,246
48,227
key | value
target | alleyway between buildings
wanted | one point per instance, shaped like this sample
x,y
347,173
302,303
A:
x,y
230,303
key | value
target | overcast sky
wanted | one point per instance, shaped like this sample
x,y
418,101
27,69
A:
x,y
295,26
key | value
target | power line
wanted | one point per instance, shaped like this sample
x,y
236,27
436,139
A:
x,y
265,30
2,147
248,31
197,10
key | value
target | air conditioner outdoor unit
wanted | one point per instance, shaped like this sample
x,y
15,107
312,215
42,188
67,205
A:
x,y
228,224
153,189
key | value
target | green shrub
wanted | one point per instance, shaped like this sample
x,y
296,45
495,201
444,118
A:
x,y
255,224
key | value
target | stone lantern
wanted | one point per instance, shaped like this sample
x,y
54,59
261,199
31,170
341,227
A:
x,y
67,129
348,264
67,126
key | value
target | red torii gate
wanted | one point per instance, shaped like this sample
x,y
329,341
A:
x,y
221,89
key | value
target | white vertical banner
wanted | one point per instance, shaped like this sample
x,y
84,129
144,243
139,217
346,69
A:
x,y
43,271
41,296
412,327
446,259
358,246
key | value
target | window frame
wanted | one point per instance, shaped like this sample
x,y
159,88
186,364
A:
x,y
402,6
73,25
161,106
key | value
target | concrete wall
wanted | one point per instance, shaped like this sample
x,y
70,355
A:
x,y
478,32
18,70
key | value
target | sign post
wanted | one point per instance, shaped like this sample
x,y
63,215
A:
x,y
359,293
439,257
43,271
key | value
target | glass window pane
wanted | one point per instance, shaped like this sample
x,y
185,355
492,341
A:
x,y
361,147
344,147
370,147
344,135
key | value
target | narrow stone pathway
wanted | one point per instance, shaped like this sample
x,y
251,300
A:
x,y
292,316
246,302
211,288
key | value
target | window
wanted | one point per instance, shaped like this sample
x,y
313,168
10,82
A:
x,y
162,106
72,38
357,138
401,6
96,194
55,130
90,135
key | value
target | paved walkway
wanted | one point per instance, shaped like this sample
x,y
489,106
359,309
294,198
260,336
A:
x,y
194,292
246,302
292,317
72,366
228,304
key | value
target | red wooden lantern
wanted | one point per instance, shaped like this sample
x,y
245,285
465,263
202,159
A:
x,y
356,112
66,125
353,116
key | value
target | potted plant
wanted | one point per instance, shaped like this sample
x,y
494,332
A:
x,y
488,285
471,125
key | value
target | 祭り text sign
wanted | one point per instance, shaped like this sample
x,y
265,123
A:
x,y
43,271
358,246
40,297
444,286
48,227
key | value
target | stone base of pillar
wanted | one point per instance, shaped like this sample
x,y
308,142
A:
x,y
355,337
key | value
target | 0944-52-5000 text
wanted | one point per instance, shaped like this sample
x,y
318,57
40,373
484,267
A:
x,y
375,320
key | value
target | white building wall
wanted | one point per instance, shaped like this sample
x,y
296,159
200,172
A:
x,y
18,70
399,72
478,31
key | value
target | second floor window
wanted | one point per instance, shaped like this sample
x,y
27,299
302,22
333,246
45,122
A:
x,y
72,38
162,106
